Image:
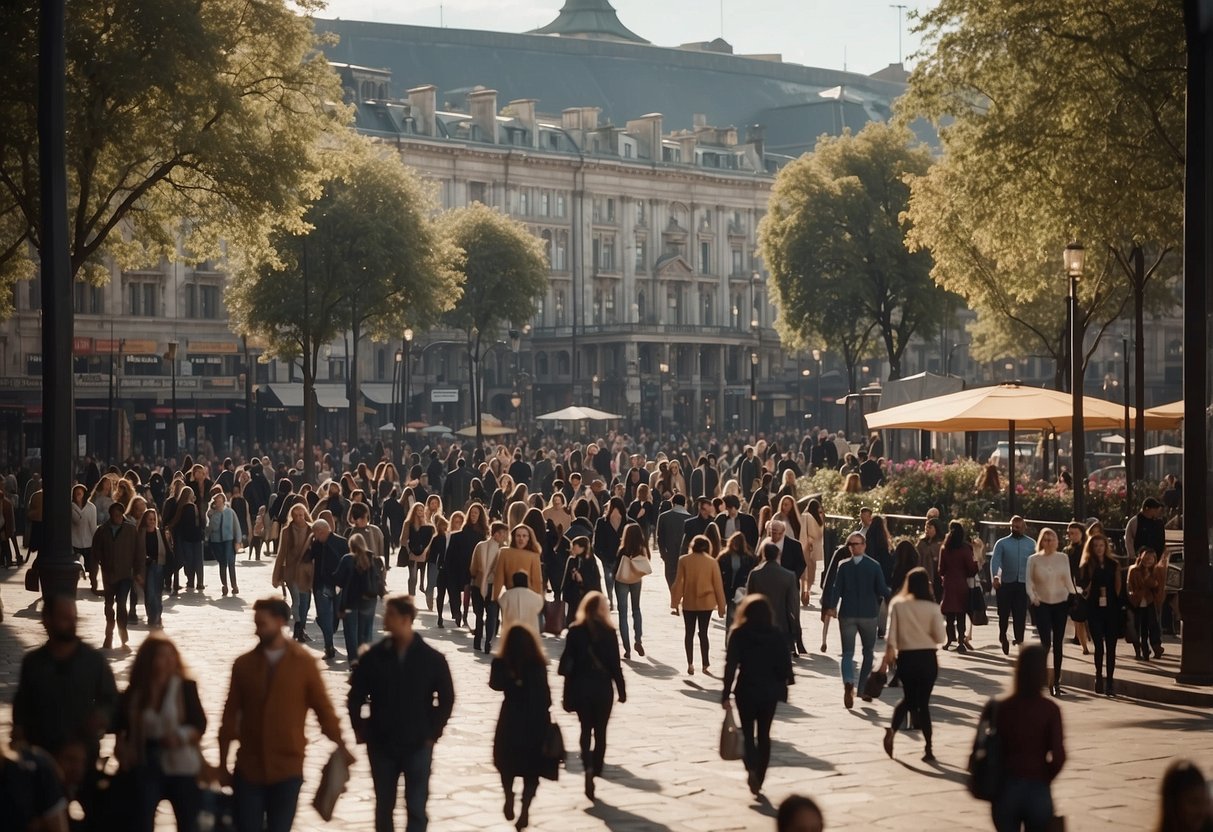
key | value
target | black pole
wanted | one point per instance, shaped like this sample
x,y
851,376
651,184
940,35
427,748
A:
x,y
249,379
1011,468
406,361
1130,467
57,565
1139,360
172,370
1078,436
821,410
110,419
1196,599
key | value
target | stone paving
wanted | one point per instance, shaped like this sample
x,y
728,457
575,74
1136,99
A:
x,y
663,771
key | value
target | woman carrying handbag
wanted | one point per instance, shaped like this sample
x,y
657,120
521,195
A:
x,y
633,564
520,673
915,632
956,566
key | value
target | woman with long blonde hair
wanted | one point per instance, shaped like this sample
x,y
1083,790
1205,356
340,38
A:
x,y
357,578
291,570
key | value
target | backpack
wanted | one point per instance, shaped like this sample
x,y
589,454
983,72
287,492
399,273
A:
x,y
377,580
986,760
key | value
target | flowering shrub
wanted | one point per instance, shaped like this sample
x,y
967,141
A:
x,y
912,487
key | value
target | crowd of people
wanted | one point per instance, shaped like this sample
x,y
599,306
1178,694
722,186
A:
x,y
509,543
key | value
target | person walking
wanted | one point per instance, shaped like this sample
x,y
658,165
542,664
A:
x,y
608,535
187,528
670,526
114,548
1009,570
927,547
915,632
327,551
780,587
154,549
812,542
628,577
84,525
485,558
735,563
414,538
520,673
358,577
1147,590
1186,804
1101,583
758,660
273,687
459,560
158,724
293,570
65,699
1050,588
590,665
1033,748
222,530
581,576
408,685
699,589
520,604
855,597
956,566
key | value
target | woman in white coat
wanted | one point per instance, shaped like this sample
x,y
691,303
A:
x,y
84,525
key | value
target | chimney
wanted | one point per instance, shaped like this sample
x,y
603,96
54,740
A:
x,y
523,109
423,101
646,130
482,104
589,118
688,144
699,121
756,135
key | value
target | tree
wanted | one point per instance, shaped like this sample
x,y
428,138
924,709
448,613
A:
x,y
186,120
1059,120
834,239
371,260
505,272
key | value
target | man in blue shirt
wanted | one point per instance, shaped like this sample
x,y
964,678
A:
x,y
855,597
1009,569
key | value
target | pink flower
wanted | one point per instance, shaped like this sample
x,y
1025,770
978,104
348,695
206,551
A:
x,y
1019,489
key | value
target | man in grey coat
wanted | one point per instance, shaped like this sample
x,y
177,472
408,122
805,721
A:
x,y
781,588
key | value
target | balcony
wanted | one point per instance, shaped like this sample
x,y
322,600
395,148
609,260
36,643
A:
x,y
589,330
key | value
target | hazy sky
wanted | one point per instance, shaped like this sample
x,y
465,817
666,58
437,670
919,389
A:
x,y
824,33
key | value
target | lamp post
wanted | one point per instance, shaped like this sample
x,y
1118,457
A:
x,y
1129,467
397,398
804,375
516,403
1074,258
171,357
663,371
821,411
754,393
406,343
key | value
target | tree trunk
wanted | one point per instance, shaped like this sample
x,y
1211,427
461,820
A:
x,y
887,335
309,419
1139,361
474,355
351,382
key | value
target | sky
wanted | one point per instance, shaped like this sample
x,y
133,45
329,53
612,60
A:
x,y
861,35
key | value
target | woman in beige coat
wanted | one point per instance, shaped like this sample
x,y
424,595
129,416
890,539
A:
x,y
700,589
290,568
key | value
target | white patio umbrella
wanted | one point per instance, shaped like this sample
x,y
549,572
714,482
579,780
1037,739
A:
x,y
573,413
436,429
1165,450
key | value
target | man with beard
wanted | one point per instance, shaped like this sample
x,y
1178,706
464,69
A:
x,y
273,687
65,698
1009,569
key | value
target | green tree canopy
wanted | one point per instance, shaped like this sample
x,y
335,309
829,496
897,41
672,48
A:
x,y
197,120
1059,120
371,260
834,240
505,272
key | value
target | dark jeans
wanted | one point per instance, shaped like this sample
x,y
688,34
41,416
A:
x,y
191,562
955,626
358,625
488,617
90,563
153,598
478,611
756,719
1104,625
594,717
417,571
671,570
270,808
117,593
1149,633
326,612
451,594
1012,604
690,620
225,557
152,785
1022,805
917,670
1051,624
387,766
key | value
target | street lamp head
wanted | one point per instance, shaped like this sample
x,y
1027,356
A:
x,y
754,358
594,379
515,340
516,401
816,355
1074,258
866,369
663,367
399,356
753,323
171,355
806,373
408,334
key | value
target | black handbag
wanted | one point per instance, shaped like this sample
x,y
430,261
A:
x,y
977,607
1078,608
986,760
874,686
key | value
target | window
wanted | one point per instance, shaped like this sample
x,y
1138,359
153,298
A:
x,y
202,301
143,299
545,204
738,262
477,192
610,210
524,203
87,300
560,305
642,254
608,303
540,307
559,258
627,151
640,209
640,305
560,204
604,253
35,296
598,306
708,318
546,237
705,257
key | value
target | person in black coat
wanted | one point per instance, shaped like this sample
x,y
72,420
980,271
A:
x,y
590,665
608,532
671,525
743,523
736,563
520,672
697,525
757,656
458,563
580,576
457,486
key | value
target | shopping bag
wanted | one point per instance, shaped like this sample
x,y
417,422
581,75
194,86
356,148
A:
x,y
553,617
732,745
874,686
977,607
333,779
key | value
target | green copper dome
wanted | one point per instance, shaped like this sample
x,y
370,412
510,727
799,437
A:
x,y
589,19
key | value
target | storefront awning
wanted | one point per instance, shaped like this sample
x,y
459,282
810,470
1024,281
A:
x,y
328,396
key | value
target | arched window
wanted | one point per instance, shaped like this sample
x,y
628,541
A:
x,y
541,364
562,363
560,307
546,237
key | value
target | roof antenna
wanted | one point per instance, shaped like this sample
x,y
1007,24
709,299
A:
x,y
722,19
441,17
844,58
901,8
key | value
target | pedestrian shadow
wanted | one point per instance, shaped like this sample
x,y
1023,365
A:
x,y
786,755
617,818
653,669
937,771
623,777
762,806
